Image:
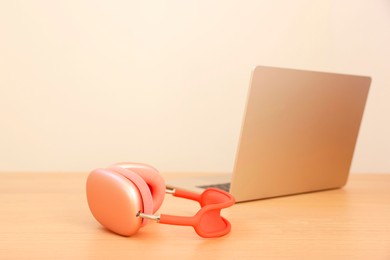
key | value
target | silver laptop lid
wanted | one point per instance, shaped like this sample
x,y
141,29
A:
x,y
299,132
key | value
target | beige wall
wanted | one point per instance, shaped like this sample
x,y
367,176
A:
x,y
87,83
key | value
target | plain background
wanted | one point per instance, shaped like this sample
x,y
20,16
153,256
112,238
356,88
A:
x,y
84,83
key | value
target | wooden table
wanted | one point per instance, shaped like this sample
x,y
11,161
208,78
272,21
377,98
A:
x,y
45,216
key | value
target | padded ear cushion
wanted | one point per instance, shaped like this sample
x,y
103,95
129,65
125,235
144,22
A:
x,y
153,179
142,187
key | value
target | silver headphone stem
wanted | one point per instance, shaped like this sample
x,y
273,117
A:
x,y
148,216
170,190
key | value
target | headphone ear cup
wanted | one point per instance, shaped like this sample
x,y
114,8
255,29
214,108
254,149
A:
x,y
114,201
152,178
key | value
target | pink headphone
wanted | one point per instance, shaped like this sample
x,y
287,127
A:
x,y
124,196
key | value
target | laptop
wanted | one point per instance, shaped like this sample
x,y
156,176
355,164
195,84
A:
x,y
298,135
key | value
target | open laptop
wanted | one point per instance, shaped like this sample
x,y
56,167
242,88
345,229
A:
x,y
298,134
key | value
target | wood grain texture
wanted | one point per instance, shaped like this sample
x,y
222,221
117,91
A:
x,y
46,216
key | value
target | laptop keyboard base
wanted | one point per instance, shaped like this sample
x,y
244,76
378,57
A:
x,y
221,186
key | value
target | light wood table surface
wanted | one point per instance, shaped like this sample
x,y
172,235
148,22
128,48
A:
x,y
46,216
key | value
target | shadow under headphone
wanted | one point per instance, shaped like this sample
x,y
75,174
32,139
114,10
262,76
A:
x,y
124,196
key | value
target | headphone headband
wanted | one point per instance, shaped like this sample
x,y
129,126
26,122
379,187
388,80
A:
x,y
208,221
